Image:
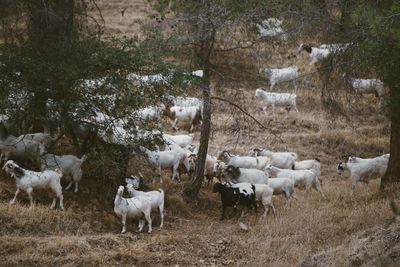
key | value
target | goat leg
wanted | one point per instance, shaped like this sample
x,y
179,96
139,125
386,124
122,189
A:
x,y
223,213
53,204
140,225
12,202
123,224
29,191
69,185
174,125
149,221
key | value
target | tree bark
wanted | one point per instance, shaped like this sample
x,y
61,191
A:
x,y
191,190
392,174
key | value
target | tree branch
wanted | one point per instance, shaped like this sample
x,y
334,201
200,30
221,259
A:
x,y
236,47
274,133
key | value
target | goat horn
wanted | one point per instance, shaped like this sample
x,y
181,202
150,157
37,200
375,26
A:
x,y
229,154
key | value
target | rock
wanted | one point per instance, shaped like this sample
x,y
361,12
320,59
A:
x,y
243,227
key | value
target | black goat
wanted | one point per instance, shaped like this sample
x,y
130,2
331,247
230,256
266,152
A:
x,y
232,197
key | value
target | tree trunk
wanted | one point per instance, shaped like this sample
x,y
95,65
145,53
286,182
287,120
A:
x,y
392,174
192,189
39,107
345,18
208,33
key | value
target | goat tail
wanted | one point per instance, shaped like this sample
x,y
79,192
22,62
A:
x,y
161,191
84,157
57,170
140,176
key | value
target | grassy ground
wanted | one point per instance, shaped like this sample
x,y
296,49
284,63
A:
x,y
87,233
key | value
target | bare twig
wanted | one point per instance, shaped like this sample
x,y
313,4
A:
x,y
236,47
274,133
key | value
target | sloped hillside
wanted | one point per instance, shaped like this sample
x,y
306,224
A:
x,y
350,230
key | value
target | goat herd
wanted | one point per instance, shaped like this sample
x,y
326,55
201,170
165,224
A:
x,y
291,74
242,180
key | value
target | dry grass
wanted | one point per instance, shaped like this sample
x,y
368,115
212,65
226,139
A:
x,y
87,233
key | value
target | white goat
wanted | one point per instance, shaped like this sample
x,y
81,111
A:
x,y
384,158
156,199
70,166
149,113
316,54
277,99
308,164
26,180
148,79
198,73
283,160
190,114
42,138
242,175
182,101
24,147
4,118
272,27
323,51
244,161
183,155
135,207
276,76
283,186
182,140
219,168
212,168
364,171
163,160
303,178
263,194
368,86
339,47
